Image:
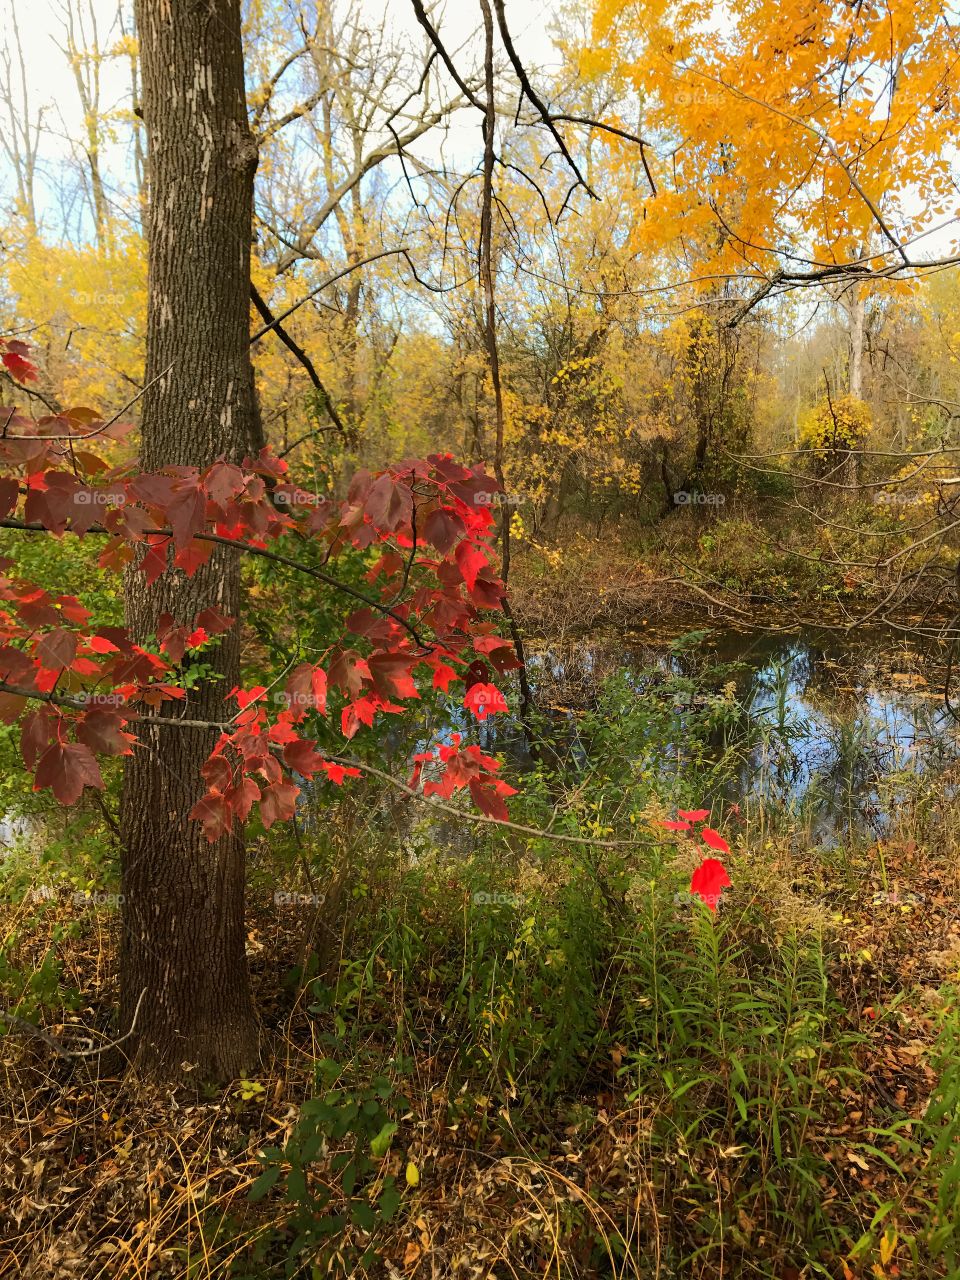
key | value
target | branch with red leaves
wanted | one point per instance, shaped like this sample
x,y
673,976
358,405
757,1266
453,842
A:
x,y
429,615
710,878
339,767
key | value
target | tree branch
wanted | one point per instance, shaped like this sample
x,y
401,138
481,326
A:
x,y
275,556
58,1047
292,345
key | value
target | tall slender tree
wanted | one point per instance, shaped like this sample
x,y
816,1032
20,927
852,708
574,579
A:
x,y
183,934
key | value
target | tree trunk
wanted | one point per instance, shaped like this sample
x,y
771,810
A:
x,y
856,312
183,926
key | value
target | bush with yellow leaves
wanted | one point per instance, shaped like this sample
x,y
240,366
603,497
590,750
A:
x,y
835,425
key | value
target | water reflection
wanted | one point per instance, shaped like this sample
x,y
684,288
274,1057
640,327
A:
x,y
834,732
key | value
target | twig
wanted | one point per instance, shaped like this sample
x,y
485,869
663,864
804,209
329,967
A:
x,y
58,1047
482,818
292,345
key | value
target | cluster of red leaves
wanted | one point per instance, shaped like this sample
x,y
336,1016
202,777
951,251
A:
x,y
253,765
710,878
464,767
13,357
430,587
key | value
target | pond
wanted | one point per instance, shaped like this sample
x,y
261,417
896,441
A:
x,y
835,731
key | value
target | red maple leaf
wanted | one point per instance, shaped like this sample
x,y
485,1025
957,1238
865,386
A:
x,y
484,699
442,675
213,812
19,368
470,560
443,528
708,882
66,768
300,756
337,772
278,801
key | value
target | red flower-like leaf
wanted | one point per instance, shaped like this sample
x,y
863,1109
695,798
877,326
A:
x,y
708,882
470,560
693,815
19,368
337,772
484,699
715,840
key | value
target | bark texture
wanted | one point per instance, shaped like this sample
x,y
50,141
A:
x,y
183,930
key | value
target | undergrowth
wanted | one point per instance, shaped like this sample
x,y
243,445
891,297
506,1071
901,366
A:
x,y
497,1054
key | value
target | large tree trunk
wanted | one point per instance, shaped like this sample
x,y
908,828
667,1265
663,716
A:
x,y
183,927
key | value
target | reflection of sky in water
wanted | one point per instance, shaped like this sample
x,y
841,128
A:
x,y
831,731
835,729
851,737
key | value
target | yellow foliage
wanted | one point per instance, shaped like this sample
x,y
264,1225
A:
x,y
86,309
836,425
750,99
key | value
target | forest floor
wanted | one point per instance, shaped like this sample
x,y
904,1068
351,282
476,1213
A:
x,y
100,1177
722,566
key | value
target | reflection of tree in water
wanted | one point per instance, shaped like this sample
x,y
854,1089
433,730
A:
x,y
573,672
838,722
826,724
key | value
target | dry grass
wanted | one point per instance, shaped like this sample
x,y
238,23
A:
x,y
104,1178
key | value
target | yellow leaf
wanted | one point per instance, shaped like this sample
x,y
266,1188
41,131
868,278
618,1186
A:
x,y
413,1174
888,1246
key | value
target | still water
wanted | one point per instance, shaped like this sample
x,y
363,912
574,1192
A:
x,y
833,730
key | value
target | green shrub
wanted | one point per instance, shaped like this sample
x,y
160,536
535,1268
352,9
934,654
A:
x,y
329,1174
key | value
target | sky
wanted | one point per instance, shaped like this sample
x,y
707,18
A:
x,y
460,24
51,86
41,26
42,29
50,83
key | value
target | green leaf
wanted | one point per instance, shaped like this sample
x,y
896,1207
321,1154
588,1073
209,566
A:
x,y
296,1185
264,1183
381,1143
363,1215
389,1201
